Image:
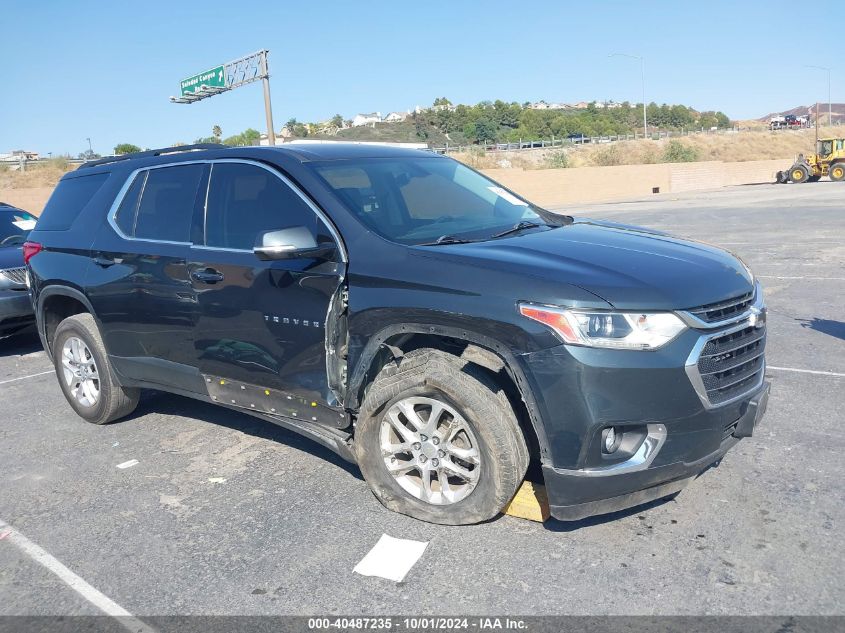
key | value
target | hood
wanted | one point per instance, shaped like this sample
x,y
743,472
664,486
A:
x,y
11,257
629,267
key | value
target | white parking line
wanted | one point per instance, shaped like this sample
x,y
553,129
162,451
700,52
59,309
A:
x,y
817,278
43,373
99,600
806,371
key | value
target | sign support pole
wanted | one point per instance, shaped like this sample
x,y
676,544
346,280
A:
x,y
268,108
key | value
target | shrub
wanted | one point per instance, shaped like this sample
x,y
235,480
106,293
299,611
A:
x,y
557,160
677,152
608,156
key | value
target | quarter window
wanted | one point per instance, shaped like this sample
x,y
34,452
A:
x,y
246,200
125,217
167,203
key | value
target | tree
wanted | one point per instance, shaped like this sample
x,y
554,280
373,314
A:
x,y
126,148
442,101
89,155
337,120
251,136
484,130
217,132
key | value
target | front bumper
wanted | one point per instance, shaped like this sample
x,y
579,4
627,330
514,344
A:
x,y
574,495
15,311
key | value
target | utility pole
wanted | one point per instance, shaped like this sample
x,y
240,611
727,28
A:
x,y
829,101
90,149
642,79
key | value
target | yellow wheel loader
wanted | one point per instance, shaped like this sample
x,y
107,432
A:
x,y
829,160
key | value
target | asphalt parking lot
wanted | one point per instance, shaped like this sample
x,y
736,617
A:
x,y
226,514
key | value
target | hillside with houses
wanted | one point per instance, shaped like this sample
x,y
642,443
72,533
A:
x,y
498,121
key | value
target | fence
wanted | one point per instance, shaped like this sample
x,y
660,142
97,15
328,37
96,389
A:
x,y
571,141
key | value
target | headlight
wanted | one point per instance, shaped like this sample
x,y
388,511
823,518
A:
x,y
617,330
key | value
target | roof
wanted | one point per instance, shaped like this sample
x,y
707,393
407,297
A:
x,y
303,152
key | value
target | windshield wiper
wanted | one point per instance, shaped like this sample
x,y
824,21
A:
x,y
516,228
447,239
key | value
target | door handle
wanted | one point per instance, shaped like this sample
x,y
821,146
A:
x,y
104,262
207,276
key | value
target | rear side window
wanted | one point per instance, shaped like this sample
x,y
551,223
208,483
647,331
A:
x,y
246,200
167,203
70,197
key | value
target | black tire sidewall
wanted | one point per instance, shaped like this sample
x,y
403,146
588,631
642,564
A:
x,y
98,413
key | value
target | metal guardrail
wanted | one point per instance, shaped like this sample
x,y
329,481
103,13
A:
x,y
527,144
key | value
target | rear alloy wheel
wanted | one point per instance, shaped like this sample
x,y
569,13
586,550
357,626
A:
x,y
85,375
80,373
799,174
837,172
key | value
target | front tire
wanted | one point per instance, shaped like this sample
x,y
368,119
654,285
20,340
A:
x,y
437,440
799,174
85,374
837,172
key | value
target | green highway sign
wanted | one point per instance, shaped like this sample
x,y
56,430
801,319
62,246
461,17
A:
x,y
213,78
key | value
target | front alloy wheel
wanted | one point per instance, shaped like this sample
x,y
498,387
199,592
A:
x,y
437,439
430,450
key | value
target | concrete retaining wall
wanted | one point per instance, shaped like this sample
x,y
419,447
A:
x,y
555,187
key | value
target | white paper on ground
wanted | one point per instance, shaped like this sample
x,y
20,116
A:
x,y
391,558
129,464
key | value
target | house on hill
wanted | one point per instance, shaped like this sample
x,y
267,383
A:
x,y
396,117
366,119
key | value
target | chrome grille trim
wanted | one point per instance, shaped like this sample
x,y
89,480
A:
x,y
15,275
696,318
753,366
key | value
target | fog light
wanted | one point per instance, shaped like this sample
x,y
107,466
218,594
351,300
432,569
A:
x,y
609,443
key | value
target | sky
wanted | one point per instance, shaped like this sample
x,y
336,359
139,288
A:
x,y
104,70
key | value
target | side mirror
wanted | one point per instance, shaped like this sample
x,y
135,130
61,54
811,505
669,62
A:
x,y
291,243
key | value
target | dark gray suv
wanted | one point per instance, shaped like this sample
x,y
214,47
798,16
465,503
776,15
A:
x,y
409,313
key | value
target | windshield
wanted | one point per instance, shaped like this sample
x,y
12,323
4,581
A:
x,y
422,199
825,148
15,226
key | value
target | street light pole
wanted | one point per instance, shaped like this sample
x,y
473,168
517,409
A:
x,y
90,149
642,79
829,102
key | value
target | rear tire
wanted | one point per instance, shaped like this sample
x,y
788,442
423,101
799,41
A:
x,y
488,449
799,174
837,172
85,374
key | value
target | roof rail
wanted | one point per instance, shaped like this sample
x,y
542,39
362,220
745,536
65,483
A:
x,y
151,152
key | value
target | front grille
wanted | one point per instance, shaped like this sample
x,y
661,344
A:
x,y
732,364
15,275
714,312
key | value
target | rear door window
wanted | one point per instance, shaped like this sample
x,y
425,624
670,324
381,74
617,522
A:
x,y
167,203
70,197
